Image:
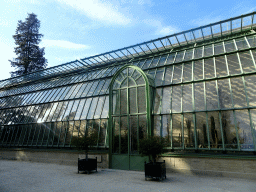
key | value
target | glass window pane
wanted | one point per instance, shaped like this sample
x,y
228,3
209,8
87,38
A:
x,y
176,99
189,138
244,130
86,108
241,43
211,95
247,62
250,82
187,72
218,49
159,76
132,100
106,108
238,92
188,55
224,94
157,103
198,52
199,96
201,130
179,56
170,58
233,64
79,109
177,139
141,99
252,41
221,67
198,69
209,71
177,74
230,46
214,130
162,60
166,100
168,75
208,51
187,98
92,108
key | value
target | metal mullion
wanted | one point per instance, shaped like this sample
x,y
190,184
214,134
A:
x,y
240,64
155,46
148,48
221,29
202,33
177,40
241,24
252,21
142,49
226,62
170,42
162,44
194,36
185,38
211,30
183,57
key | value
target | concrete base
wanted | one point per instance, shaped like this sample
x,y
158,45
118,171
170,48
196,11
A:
x,y
51,156
219,166
208,166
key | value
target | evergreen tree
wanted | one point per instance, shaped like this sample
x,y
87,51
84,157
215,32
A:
x,y
30,57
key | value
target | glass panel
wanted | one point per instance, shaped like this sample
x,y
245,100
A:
x,y
142,126
177,73
199,96
233,64
187,72
176,99
241,43
124,135
79,109
224,94
133,135
166,100
238,92
73,111
159,76
92,108
188,56
157,103
162,60
247,62
244,130
211,95
146,64
214,130
157,125
106,108
102,135
67,111
198,69
123,101
250,82
86,108
230,46
116,133
252,41
189,139
198,52
141,99
132,100
218,48
187,98
179,56
168,75
221,68
201,130
208,51
99,108
253,119
177,130
154,62
57,111
170,58
209,71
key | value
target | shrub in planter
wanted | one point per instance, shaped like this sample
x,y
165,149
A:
x,y
153,146
85,143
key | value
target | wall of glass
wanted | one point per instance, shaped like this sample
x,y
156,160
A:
x,y
205,98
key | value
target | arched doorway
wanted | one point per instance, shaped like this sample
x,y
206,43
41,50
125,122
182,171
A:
x,y
129,118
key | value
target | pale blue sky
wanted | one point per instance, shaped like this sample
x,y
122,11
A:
x,y
80,28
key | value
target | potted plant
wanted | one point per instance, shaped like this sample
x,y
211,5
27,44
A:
x,y
153,146
85,143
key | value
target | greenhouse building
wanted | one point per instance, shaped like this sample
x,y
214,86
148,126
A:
x,y
196,88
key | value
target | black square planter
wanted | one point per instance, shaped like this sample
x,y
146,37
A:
x,y
155,170
87,165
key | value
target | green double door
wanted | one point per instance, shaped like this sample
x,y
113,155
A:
x,y
129,118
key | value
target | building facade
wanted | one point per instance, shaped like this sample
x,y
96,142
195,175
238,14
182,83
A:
x,y
197,88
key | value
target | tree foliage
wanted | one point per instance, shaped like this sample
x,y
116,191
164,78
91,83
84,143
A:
x,y
30,57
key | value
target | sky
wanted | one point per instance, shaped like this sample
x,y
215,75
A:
x,y
76,29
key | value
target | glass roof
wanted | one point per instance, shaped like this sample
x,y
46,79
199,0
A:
x,y
192,36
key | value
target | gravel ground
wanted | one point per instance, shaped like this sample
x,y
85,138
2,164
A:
x,y
30,176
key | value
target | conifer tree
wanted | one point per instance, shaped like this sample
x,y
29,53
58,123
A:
x,y
30,57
